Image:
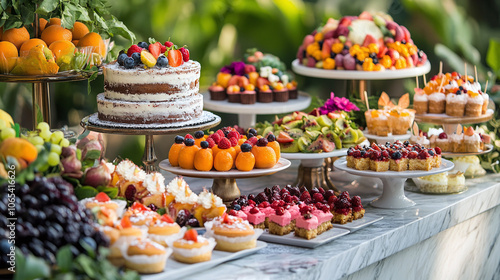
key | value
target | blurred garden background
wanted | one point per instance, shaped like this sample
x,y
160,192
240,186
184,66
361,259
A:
x,y
219,31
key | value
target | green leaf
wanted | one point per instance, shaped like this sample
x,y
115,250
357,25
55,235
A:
x,y
117,27
86,264
31,268
85,192
93,154
111,192
17,128
64,259
68,15
493,56
47,6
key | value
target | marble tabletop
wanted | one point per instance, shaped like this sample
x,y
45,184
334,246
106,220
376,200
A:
x,y
398,230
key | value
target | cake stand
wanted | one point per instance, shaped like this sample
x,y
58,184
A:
x,y
361,76
92,123
393,196
40,94
313,171
224,184
487,149
450,123
247,113
389,138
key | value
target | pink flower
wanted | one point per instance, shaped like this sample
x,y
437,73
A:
x,y
337,104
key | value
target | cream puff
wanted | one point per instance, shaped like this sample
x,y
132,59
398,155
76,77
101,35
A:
x,y
165,229
146,256
193,248
232,234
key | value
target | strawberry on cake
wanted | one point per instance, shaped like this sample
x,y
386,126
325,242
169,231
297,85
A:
x,y
306,225
280,223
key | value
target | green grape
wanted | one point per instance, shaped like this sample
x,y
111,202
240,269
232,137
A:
x,y
39,148
43,126
56,137
44,168
7,133
36,140
64,143
54,148
53,159
45,134
3,124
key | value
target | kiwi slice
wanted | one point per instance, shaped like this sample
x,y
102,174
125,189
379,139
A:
x,y
292,147
312,135
324,120
294,124
350,136
311,125
303,144
295,133
267,130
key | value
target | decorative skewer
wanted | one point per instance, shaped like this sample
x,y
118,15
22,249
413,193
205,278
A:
x,y
440,68
416,79
475,73
465,68
441,85
425,80
366,100
486,86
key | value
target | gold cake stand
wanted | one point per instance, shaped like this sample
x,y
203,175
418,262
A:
x,y
149,158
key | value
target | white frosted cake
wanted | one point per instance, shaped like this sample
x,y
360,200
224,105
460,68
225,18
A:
x,y
151,95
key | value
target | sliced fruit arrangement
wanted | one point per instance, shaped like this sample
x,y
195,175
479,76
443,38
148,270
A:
x,y
368,42
148,55
313,132
57,49
224,150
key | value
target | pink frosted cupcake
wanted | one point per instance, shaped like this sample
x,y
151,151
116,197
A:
x,y
217,92
249,96
280,93
265,94
234,94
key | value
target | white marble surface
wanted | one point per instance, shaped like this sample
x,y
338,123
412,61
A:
x,y
399,230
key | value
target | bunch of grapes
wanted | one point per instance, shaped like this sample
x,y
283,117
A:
x,y
56,139
48,217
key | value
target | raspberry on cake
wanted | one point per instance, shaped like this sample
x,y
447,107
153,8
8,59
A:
x,y
420,160
256,218
322,212
379,161
343,212
306,225
357,208
280,222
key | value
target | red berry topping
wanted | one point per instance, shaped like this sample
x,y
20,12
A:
x,y
234,134
305,195
412,155
192,235
251,202
233,141
224,143
232,212
174,58
325,208
332,199
356,201
385,154
275,204
168,44
262,142
306,209
139,207
155,49
356,154
318,197
216,137
423,154
185,54
188,136
345,194
264,204
375,155
280,211
254,210
252,141
375,147
102,197
166,218
163,48
438,150
133,49
125,222
443,135
221,133
211,142
225,219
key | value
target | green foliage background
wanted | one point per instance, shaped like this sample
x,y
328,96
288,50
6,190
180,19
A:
x,y
219,31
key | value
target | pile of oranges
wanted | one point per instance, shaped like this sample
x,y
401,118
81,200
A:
x,y
223,150
17,42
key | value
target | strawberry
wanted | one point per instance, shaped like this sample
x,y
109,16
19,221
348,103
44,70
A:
x,y
192,235
140,207
168,44
188,136
125,222
185,54
166,218
163,48
102,197
133,49
284,137
174,58
155,49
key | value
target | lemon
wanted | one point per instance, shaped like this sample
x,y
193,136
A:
x,y
6,117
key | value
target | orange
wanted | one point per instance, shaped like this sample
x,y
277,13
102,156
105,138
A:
x,y
245,161
53,21
56,33
95,41
75,42
16,36
79,30
26,46
186,157
19,148
276,147
8,56
42,23
173,154
215,150
62,48
265,157
223,161
203,160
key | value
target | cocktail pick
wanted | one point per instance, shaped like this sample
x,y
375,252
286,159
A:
x,y
425,80
366,100
465,68
475,73
416,79
486,86
440,68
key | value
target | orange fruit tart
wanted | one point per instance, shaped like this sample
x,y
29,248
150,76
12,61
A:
x,y
164,229
173,153
232,234
245,161
186,154
203,159
265,157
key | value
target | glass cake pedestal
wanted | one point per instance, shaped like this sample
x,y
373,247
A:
x,y
206,121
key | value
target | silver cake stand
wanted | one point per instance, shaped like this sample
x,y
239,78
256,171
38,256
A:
x,y
149,159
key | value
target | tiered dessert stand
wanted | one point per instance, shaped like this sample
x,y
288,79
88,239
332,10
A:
x,y
92,123
389,138
247,113
357,77
224,184
393,195
450,123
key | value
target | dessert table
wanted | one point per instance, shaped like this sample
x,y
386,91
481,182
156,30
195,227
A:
x,y
442,237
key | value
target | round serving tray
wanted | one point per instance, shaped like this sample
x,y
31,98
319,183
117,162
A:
x,y
488,149
390,138
393,196
445,119
65,76
360,75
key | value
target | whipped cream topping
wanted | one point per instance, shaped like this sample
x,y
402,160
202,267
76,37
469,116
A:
x,y
437,96
154,183
422,140
111,167
420,97
455,98
475,87
478,99
456,137
142,243
130,172
181,191
208,200
472,138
